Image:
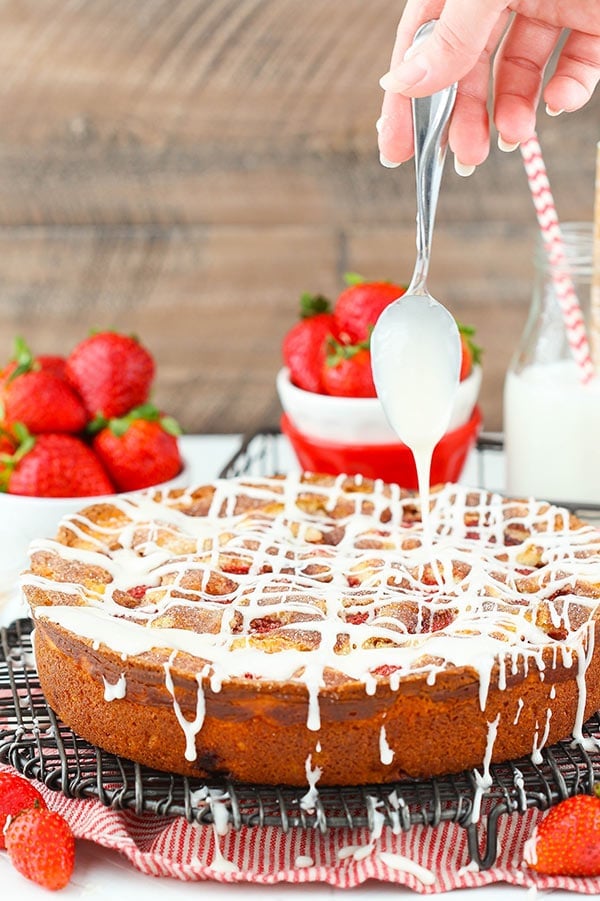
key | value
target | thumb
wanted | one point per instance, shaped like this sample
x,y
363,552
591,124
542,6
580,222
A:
x,y
450,52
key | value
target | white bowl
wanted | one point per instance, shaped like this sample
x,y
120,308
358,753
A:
x,y
359,420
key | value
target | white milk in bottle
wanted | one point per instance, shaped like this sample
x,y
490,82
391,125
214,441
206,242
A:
x,y
551,419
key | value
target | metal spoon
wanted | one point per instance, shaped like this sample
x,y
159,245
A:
x,y
415,345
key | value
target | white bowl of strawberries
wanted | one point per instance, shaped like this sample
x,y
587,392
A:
x,y
326,385
80,427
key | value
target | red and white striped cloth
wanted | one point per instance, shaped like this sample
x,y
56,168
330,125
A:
x,y
167,846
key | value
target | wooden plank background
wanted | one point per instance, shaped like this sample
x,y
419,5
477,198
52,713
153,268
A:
x,y
184,169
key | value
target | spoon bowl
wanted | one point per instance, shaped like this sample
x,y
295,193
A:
x,y
416,356
415,345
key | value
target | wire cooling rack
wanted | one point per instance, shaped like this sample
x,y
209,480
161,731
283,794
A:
x,y
38,745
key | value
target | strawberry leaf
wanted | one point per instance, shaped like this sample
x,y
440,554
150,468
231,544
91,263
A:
x,y
144,411
96,424
26,442
148,412
313,304
170,425
337,351
353,278
119,426
23,358
468,332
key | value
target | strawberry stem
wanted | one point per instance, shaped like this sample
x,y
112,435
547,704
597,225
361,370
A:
x,y
149,412
336,351
23,358
26,442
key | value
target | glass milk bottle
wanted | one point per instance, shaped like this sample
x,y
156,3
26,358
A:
x,y
551,419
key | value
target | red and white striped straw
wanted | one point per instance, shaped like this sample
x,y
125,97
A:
x,y
553,245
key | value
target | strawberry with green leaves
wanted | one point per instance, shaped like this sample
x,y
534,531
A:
x,y
567,841
41,846
111,372
358,308
347,370
140,449
304,346
53,464
31,392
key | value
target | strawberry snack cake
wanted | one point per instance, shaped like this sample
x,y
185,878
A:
x,y
291,629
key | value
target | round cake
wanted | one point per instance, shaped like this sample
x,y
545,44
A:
x,y
291,629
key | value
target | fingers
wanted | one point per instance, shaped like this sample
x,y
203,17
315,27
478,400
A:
x,y
394,127
416,12
395,124
460,36
576,75
469,127
519,71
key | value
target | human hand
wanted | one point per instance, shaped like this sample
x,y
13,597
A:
x,y
461,48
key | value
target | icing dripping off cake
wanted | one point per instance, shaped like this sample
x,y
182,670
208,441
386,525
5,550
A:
x,y
257,627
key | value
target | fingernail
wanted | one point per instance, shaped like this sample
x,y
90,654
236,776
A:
x,y
379,124
505,146
553,112
408,74
462,168
387,163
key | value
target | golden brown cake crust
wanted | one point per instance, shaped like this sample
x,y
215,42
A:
x,y
261,629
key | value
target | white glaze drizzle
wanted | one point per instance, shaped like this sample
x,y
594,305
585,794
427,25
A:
x,y
484,780
115,691
190,728
520,706
406,865
386,754
467,611
308,802
536,754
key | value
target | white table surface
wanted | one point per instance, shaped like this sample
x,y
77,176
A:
x,y
101,874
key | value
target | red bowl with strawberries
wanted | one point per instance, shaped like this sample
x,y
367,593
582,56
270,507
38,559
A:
x,y
332,415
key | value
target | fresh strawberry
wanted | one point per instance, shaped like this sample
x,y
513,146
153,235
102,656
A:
x,y
53,465
471,352
16,795
41,846
347,370
358,308
567,841
32,393
140,449
43,402
112,373
304,346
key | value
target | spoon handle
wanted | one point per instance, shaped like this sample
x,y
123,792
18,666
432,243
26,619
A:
x,y
431,116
